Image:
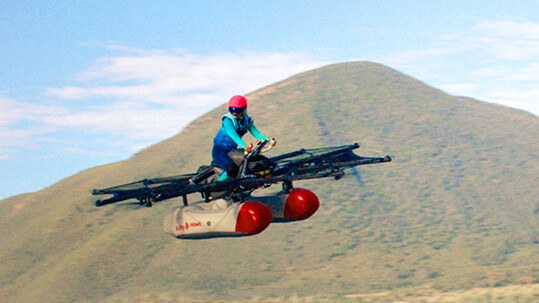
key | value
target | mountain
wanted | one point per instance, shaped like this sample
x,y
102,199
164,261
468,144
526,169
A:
x,y
456,209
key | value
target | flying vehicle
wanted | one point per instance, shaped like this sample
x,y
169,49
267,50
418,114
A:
x,y
231,208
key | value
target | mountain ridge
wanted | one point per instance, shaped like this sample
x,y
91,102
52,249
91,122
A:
x,y
444,213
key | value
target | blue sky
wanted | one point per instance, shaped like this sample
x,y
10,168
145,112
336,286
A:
x,y
85,83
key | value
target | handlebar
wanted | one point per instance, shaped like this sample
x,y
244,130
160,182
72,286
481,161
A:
x,y
261,146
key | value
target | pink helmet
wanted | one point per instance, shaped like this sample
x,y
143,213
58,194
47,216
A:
x,y
237,101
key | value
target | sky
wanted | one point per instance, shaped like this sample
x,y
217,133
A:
x,y
86,83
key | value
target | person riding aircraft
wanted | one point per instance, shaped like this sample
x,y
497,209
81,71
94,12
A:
x,y
235,124
234,211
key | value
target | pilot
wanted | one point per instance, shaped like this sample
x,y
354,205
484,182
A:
x,y
235,124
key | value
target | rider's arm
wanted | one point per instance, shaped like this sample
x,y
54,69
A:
x,y
229,127
254,131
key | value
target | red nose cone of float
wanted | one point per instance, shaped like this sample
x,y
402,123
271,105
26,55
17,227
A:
x,y
253,218
301,204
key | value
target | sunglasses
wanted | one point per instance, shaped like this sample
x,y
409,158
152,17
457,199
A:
x,y
237,110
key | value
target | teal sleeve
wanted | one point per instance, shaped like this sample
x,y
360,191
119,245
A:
x,y
254,131
229,127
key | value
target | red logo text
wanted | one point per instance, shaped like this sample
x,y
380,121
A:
x,y
188,225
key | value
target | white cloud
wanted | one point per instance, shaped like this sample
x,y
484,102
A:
x,y
510,40
491,61
156,93
459,89
21,125
528,73
153,74
141,97
523,99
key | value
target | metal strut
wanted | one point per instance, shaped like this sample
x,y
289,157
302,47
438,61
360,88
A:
x,y
147,201
185,202
288,186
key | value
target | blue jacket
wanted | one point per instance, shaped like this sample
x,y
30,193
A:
x,y
231,131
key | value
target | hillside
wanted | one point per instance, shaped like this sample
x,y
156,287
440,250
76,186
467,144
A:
x,y
457,208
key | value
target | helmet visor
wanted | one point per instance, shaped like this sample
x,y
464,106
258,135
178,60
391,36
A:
x,y
237,110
